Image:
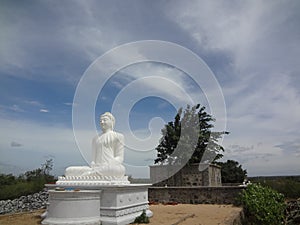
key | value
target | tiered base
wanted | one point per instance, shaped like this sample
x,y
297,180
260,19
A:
x,y
73,181
121,205
106,205
73,207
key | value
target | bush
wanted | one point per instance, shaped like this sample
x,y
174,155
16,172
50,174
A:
x,y
292,212
262,205
7,179
27,183
20,188
142,218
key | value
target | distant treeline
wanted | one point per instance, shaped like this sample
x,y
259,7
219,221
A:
x,y
289,186
263,178
28,183
139,180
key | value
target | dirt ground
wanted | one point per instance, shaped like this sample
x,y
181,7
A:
x,y
25,218
182,214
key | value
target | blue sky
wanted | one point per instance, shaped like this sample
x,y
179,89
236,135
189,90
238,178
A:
x,y
251,47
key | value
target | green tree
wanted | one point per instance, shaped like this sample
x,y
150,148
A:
x,y
232,172
187,138
46,169
42,173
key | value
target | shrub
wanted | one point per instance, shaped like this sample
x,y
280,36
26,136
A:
x,y
262,205
7,179
20,188
292,212
142,218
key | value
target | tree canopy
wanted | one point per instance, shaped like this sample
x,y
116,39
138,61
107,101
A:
x,y
232,172
189,138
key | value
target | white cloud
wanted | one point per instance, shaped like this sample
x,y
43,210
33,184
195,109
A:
x,y
14,108
254,33
261,158
70,104
44,110
36,141
160,74
33,103
44,40
270,110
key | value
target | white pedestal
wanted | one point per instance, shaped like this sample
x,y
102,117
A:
x,y
122,204
73,207
105,205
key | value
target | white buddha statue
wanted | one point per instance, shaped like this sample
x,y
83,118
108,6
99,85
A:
x,y
107,153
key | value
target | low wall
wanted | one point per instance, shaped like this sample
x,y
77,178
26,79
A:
x,y
194,195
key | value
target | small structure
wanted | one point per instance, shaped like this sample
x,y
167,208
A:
x,y
190,175
191,184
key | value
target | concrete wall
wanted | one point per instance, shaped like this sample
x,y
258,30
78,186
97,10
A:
x,y
189,175
194,195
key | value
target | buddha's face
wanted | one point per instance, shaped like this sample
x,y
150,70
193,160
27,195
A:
x,y
106,123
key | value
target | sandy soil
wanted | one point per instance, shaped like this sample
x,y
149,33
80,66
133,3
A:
x,y
25,218
192,214
182,214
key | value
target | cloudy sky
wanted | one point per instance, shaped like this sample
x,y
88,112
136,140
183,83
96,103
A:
x,y
252,49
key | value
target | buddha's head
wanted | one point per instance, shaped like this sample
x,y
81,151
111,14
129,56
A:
x,y
107,121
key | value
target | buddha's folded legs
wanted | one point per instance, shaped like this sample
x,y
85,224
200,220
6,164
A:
x,y
77,170
114,170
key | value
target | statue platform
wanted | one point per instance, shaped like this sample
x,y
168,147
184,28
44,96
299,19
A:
x,y
96,204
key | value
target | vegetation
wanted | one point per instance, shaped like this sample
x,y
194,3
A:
x,y
232,172
142,218
187,138
287,185
27,183
292,212
262,205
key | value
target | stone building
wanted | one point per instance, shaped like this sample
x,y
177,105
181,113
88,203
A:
x,y
190,175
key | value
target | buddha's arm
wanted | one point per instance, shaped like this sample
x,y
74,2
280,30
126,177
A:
x,y
119,148
94,150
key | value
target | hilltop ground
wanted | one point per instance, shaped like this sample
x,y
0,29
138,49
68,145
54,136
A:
x,y
182,214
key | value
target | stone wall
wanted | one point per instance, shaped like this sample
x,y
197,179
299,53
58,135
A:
x,y
189,175
194,195
24,203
